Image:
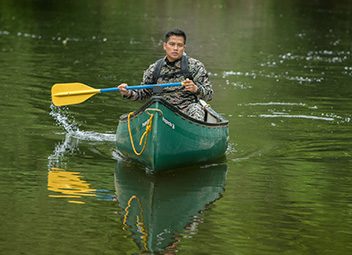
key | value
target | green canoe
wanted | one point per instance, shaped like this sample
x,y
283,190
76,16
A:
x,y
160,210
174,139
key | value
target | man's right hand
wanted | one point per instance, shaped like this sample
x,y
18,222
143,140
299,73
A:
x,y
123,90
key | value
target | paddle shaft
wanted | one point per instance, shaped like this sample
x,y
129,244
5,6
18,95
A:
x,y
147,86
114,89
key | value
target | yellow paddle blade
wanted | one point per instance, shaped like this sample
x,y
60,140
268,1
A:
x,y
71,93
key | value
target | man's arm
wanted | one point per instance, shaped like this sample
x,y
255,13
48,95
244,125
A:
x,y
142,93
201,79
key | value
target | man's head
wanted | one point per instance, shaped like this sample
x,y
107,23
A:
x,y
175,32
174,44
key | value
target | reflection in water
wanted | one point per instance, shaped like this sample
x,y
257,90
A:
x,y
274,64
160,209
68,185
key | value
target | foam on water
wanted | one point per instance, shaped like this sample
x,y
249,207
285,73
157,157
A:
x,y
61,117
69,146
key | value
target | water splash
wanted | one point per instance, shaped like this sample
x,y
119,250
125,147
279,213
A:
x,y
62,117
230,149
73,137
57,158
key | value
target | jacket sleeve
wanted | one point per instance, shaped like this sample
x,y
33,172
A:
x,y
142,94
201,79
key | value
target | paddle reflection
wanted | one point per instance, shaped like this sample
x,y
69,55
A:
x,y
71,184
159,210
68,184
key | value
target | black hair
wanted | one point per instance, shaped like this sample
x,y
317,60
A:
x,y
176,32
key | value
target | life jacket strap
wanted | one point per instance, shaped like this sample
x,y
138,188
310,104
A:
x,y
184,70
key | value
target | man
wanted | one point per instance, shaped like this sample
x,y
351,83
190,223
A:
x,y
176,66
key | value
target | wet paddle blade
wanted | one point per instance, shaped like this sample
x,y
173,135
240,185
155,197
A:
x,y
71,93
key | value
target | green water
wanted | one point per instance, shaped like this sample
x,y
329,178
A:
x,y
282,73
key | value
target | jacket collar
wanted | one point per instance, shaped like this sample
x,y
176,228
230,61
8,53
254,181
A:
x,y
176,63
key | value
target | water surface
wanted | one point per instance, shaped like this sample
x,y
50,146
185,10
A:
x,y
281,73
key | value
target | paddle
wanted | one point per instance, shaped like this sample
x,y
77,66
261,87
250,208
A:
x,y
76,93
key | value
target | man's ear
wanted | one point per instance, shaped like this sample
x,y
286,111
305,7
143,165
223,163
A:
x,y
164,45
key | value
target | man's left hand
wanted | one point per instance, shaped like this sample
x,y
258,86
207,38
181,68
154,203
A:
x,y
190,86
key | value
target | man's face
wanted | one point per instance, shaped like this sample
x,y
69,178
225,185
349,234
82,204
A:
x,y
174,48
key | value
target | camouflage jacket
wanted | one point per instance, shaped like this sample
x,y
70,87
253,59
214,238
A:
x,y
170,72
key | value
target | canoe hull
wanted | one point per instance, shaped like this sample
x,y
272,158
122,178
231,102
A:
x,y
175,139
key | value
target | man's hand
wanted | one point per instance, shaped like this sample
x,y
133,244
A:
x,y
123,90
190,86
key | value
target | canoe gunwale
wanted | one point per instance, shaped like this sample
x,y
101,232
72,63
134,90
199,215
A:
x,y
222,122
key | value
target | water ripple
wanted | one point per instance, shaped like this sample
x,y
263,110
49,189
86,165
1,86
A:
x,y
295,116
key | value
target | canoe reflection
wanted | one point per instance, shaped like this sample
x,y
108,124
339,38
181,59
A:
x,y
157,209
